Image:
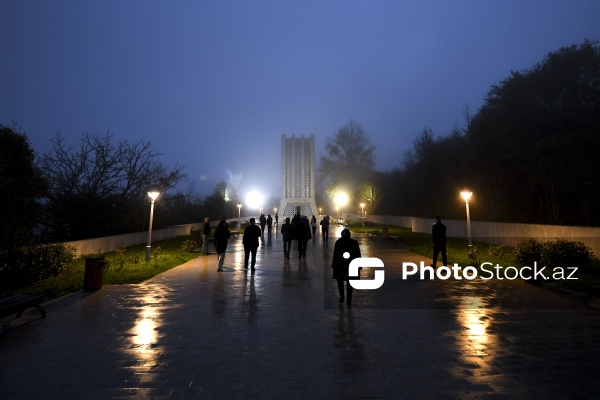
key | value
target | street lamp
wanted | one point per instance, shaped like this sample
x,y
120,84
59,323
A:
x,y
320,213
239,213
153,196
260,208
467,195
362,213
340,199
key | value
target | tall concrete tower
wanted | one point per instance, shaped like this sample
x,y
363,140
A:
x,y
297,176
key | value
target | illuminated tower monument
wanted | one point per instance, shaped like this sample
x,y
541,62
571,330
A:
x,y
298,176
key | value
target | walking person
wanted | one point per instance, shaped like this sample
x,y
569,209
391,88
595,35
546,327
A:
x,y
277,220
221,236
438,237
205,236
252,233
287,230
325,228
262,221
301,233
269,224
346,249
313,226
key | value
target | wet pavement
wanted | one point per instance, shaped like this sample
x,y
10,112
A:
x,y
279,333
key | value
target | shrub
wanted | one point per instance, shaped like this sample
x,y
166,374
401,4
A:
x,y
559,253
473,255
30,264
120,256
563,253
528,245
156,252
189,246
497,251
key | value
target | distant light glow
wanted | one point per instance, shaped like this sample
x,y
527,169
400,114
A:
x,y
340,199
254,199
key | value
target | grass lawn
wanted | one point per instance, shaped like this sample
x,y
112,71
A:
x,y
124,266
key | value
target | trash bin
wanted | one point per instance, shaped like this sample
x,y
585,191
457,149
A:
x,y
94,268
532,259
385,234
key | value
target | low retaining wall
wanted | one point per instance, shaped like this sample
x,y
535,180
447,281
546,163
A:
x,y
496,232
110,243
487,232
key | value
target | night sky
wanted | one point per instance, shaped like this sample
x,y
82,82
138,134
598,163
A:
x,y
214,84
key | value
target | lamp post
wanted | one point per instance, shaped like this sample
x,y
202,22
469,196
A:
x,y
239,213
260,208
362,213
467,195
340,199
320,213
153,196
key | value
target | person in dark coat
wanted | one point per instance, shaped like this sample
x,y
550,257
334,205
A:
x,y
345,250
205,236
301,234
252,233
269,224
438,237
325,228
287,230
313,226
262,221
221,236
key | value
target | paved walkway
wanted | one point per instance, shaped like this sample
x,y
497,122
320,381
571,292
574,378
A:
x,y
193,333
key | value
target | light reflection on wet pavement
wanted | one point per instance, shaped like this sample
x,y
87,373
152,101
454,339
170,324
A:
x,y
280,333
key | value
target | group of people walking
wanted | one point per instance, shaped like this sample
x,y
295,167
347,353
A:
x,y
300,229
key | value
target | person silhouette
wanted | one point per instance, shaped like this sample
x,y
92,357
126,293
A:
x,y
287,230
205,236
221,236
325,228
269,224
345,250
252,233
262,221
438,237
301,234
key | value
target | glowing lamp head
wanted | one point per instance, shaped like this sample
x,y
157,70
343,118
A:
x,y
466,195
153,195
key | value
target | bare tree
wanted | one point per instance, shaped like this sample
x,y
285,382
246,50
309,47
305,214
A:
x,y
100,188
102,168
